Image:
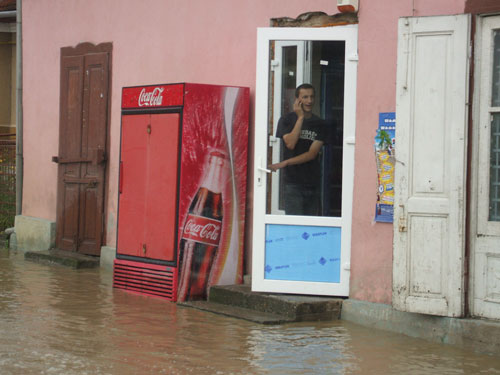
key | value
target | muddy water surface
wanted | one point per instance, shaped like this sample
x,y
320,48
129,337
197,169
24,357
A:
x,y
55,320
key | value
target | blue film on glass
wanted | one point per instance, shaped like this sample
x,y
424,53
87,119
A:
x,y
302,253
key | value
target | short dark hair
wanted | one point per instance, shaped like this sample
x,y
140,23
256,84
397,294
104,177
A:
x,y
304,86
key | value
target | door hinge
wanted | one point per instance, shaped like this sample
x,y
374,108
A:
x,y
402,225
353,57
274,65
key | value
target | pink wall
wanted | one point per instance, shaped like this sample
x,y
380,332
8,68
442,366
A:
x,y
154,41
371,249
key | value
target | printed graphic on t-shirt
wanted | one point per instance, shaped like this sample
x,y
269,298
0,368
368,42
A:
x,y
308,134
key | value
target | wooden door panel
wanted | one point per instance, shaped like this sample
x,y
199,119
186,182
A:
x,y
69,148
429,218
93,138
89,231
69,224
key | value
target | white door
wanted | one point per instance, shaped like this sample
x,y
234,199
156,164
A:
x,y
485,208
294,253
429,208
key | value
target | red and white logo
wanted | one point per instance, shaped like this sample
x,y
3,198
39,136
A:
x,y
202,229
151,98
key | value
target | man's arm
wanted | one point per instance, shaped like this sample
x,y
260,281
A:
x,y
299,159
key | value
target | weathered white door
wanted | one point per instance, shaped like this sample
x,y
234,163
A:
x,y
485,208
431,133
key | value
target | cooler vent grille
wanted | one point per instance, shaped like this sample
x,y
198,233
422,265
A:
x,y
148,279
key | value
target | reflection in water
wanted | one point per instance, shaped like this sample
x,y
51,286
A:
x,y
55,320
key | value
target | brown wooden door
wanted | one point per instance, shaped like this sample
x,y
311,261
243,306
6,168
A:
x,y
82,152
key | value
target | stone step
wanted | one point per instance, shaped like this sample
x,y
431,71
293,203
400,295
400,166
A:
x,y
237,312
64,258
294,307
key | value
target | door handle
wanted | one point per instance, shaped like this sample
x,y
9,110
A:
x,y
120,178
261,170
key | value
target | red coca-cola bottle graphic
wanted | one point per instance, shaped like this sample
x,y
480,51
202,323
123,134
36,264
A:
x,y
202,232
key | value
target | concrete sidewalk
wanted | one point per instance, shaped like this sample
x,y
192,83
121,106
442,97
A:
x,y
267,308
479,335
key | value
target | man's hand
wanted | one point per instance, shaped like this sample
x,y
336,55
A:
x,y
292,138
275,167
297,108
309,155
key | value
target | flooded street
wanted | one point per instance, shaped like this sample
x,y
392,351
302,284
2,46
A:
x,y
56,320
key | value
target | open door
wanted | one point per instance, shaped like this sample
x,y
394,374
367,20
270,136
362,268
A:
x,y
430,171
305,253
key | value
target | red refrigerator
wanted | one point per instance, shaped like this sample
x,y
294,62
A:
x,y
182,189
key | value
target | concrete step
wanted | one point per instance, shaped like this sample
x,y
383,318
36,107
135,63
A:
x,y
237,312
64,258
294,307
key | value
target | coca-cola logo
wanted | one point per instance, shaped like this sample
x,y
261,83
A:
x,y
151,98
202,229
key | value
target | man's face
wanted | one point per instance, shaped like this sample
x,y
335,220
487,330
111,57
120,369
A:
x,y
306,98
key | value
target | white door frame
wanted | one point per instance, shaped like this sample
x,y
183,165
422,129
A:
x,y
260,219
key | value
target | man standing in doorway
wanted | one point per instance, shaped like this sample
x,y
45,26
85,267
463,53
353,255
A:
x,y
303,135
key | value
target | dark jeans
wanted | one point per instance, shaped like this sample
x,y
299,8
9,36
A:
x,y
301,200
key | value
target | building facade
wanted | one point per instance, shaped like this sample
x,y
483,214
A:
x,y
433,64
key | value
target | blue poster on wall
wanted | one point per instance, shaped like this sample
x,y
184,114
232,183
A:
x,y
385,142
302,253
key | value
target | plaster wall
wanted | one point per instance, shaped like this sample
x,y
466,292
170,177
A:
x,y
158,41
371,247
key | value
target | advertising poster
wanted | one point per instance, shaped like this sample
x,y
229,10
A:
x,y
385,158
212,188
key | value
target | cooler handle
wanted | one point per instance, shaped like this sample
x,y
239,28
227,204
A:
x,y
120,182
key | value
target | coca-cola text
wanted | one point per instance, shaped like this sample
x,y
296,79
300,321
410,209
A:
x,y
152,98
202,229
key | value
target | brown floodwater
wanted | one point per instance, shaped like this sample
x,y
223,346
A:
x,y
56,320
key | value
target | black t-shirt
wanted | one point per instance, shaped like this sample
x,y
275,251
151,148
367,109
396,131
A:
x,y
313,129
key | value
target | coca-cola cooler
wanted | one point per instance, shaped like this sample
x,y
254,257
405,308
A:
x,y
182,189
